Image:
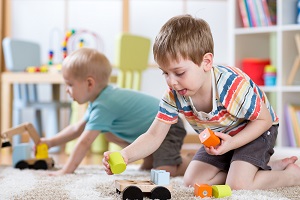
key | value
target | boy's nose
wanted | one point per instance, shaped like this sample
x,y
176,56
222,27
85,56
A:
x,y
172,81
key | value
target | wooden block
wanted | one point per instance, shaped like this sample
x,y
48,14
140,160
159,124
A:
x,y
208,138
202,190
220,191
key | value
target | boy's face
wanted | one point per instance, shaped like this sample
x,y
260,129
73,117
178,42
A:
x,y
184,76
77,89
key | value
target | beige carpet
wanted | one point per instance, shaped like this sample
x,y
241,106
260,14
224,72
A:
x,y
91,182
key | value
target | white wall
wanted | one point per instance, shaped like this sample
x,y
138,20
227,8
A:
x,y
44,21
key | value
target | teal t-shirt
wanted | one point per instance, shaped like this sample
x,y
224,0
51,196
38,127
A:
x,y
125,113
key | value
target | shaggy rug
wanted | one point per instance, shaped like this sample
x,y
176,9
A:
x,y
91,182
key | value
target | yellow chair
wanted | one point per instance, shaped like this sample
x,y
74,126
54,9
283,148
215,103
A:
x,y
131,59
132,55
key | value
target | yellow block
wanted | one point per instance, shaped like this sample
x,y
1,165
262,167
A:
x,y
220,191
42,151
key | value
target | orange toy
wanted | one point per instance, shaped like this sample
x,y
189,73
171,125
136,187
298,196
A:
x,y
208,138
202,190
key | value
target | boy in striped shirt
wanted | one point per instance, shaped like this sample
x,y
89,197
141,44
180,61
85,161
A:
x,y
221,98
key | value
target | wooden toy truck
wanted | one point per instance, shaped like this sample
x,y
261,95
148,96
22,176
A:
x,y
22,152
156,188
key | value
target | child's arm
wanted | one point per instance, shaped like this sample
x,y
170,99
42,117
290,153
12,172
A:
x,y
144,145
82,146
67,134
252,131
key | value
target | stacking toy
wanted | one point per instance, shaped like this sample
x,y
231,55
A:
x,y
116,162
208,138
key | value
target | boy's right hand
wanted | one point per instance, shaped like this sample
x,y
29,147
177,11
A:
x,y
45,141
106,163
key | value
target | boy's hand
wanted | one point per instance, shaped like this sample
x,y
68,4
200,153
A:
x,y
106,164
46,141
224,146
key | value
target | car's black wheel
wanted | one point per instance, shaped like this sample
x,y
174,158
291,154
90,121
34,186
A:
x,y
161,193
40,164
118,191
22,165
132,192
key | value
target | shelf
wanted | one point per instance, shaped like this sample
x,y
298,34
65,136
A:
x,y
255,30
279,45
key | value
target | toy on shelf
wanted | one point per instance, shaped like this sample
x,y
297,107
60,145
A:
x,y
50,62
270,75
217,191
21,155
44,68
156,188
208,138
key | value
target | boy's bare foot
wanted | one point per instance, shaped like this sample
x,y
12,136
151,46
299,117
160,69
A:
x,y
279,165
293,172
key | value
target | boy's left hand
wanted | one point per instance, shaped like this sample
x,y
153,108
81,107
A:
x,y
224,146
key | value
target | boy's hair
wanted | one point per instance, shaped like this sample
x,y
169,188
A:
x,y
86,62
183,36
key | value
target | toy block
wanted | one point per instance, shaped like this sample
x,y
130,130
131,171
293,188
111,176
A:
x,y
160,177
153,174
202,190
220,191
41,151
208,138
21,152
116,162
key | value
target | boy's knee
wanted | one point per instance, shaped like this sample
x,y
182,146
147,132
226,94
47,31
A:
x,y
188,181
239,185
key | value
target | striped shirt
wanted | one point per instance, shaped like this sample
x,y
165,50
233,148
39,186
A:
x,y
236,101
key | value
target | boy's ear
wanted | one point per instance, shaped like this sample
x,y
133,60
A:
x,y
207,61
90,82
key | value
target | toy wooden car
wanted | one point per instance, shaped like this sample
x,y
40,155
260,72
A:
x,y
138,189
156,188
22,153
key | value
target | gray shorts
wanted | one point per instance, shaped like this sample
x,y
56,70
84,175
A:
x,y
258,152
169,151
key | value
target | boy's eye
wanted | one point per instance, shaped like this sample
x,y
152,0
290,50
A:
x,y
179,74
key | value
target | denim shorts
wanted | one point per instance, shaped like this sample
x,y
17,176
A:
x,y
258,152
169,151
